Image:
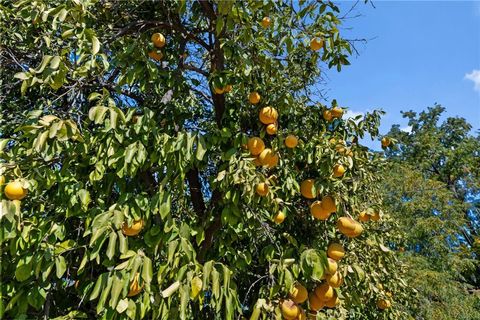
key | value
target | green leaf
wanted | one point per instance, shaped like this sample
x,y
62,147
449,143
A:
x,y
22,75
23,271
112,241
201,148
147,270
60,266
95,45
117,287
122,305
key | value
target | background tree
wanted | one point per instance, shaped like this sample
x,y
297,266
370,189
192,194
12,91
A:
x,y
432,187
132,189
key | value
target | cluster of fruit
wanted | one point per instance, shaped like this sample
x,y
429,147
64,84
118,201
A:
x,y
323,295
158,41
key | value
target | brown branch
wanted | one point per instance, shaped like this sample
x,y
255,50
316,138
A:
x,y
196,191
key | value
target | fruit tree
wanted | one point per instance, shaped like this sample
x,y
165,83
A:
x,y
176,160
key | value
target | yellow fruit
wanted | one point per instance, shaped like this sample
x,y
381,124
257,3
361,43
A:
x,y
218,90
156,55
291,141
272,128
298,293
254,97
388,294
196,286
324,292
289,309
158,40
302,315
15,191
306,188
349,227
228,88
316,44
2,180
134,229
363,216
328,203
266,22
335,251
332,266
257,162
318,211
279,217
340,149
335,280
383,304
134,286
268,115
333,301
385,142
346,224
255,145
337,112
338,170
327,115
375,216
262,189
266,156
273,161
315,302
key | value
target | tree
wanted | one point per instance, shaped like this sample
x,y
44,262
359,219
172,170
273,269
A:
x,y
127,131
432,186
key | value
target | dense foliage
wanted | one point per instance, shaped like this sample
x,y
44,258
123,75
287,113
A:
x,y
130,189
432,187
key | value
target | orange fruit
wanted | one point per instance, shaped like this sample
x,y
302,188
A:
x,y
272,128
332,266
337,112
328,203
333,301
218,90
383,304
385,142
134,286
156,55
375,216
324,292
290,309
254,97
298,293
291,141
134,229
338,170
335,251
363,216
315,302
327,115
318,211
228,88
279,217
316,44
334,280
266,22
262,189
306,188
255,145
158,40
268,115
15,191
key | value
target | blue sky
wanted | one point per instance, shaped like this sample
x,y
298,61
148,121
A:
x,y
418,53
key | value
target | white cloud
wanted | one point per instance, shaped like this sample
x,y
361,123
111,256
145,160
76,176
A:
x,y
475,77
352,114
406,129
